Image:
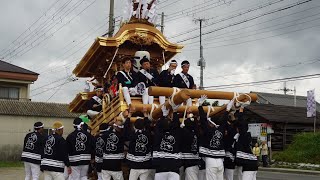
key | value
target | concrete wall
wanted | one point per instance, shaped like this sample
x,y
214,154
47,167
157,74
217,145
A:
x,y
14,128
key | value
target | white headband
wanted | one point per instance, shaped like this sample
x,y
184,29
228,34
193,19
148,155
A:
x,y
58,128
37,127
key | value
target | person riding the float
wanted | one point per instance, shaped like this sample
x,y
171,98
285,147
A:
x,y
149,76
80,149
55,155
167,147
100,144
128,79
94,105
184,80
32,151
166,78
139,152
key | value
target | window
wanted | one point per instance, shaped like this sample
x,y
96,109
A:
x,y
9,93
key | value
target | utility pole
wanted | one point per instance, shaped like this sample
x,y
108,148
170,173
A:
x,y
295,96
111,19
201,62
162,22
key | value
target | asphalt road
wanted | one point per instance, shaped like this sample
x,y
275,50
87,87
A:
x,y
264,175
18,173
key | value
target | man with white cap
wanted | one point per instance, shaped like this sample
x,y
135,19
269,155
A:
x,y
94,105
166,78
55,154
149,76
32,150
80,149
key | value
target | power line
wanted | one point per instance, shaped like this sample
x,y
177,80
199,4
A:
x,y
51,34
28,29
289,32
169,4
295,78
229,17
175,15
57,90
247,20
221,35
266,31
36,29
77,50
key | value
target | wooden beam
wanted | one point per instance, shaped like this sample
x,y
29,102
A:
x,y
164,91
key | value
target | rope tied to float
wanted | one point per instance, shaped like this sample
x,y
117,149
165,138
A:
x,y
208,115
170,99
153,107
182,125
239,103
114,56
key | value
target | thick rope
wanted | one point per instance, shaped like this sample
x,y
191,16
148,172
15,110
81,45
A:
x,y
153,107
170,99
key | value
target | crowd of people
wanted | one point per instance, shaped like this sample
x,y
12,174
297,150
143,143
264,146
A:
x,y
198,147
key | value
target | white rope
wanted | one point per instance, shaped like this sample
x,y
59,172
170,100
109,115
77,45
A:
x,y
238,103
114,56
164,60
182,125
170,99
208,114
153,107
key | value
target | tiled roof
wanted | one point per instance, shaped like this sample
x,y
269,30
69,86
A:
x,y
276,113
29,108
284,100
7,67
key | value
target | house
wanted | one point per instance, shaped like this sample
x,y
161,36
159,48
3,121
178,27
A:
x,y
18,113
284,116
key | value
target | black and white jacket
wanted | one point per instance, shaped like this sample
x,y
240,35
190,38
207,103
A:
x,y
80,147
189,147
244,155
229,143
140,142
153,82
166,147
113,153
100,144
55,154
211,143
33,148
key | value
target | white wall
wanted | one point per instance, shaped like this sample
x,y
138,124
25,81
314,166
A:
x,y
14,128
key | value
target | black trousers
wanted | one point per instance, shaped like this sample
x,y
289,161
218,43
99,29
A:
x,y
265,160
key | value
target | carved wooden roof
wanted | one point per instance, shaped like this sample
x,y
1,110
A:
x,y
130,38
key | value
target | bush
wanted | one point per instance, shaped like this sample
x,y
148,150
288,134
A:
x,y
305,148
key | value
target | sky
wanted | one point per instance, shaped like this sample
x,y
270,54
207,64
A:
x,y
244,41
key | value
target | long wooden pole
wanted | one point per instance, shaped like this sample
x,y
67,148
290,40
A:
x,y
181,109
164,91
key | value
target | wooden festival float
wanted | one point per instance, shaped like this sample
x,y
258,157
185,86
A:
x,y
103,60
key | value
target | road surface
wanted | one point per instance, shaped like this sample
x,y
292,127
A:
x,y
18,173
